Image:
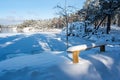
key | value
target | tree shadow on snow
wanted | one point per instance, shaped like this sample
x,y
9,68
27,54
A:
x,y
30,44
19,44
103,69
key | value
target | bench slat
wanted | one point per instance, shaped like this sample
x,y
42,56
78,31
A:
x,y
76,49
84,47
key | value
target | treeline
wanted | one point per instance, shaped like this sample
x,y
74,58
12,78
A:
x,y
102,12
97,12
48,23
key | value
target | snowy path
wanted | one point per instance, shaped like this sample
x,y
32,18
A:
x,y
24,44
42,56
55,66
100,66
40,66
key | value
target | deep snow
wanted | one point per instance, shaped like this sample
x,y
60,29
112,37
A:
x,y
43,56
31,43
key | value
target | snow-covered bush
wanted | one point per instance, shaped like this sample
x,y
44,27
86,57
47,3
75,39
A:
x,y
77,29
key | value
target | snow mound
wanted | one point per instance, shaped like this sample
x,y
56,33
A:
x,y
42,60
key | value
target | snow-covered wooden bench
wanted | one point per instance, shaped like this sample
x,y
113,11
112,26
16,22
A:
x,y
75,50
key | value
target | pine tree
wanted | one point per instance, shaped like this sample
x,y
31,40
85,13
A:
x,y
99,10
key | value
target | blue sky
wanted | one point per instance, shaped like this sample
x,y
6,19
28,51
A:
x,y
32,9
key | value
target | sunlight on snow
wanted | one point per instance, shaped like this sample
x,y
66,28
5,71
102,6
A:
x,y
72,69
107,61
44,46
6,44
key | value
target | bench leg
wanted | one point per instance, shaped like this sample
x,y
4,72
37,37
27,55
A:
x,y
102,48
76,56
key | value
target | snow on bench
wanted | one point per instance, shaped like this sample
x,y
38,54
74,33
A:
x,y
76,49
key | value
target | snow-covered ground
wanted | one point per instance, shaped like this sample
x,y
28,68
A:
x,y
43,56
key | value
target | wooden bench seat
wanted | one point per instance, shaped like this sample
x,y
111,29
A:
x,y
75,50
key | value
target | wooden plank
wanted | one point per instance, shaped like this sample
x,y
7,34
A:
x,y
76,56
102,48
84,47
76,49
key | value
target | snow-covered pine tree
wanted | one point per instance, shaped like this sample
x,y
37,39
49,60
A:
x,y
108,7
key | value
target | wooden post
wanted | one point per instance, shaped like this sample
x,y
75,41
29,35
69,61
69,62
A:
x,y
76,56
102,48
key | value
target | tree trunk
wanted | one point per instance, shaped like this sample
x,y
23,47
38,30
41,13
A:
x,y
118,20
85,29
95,24
108,23
101,22
97,27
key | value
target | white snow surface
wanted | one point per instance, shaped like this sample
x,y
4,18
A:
x,y
43,56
